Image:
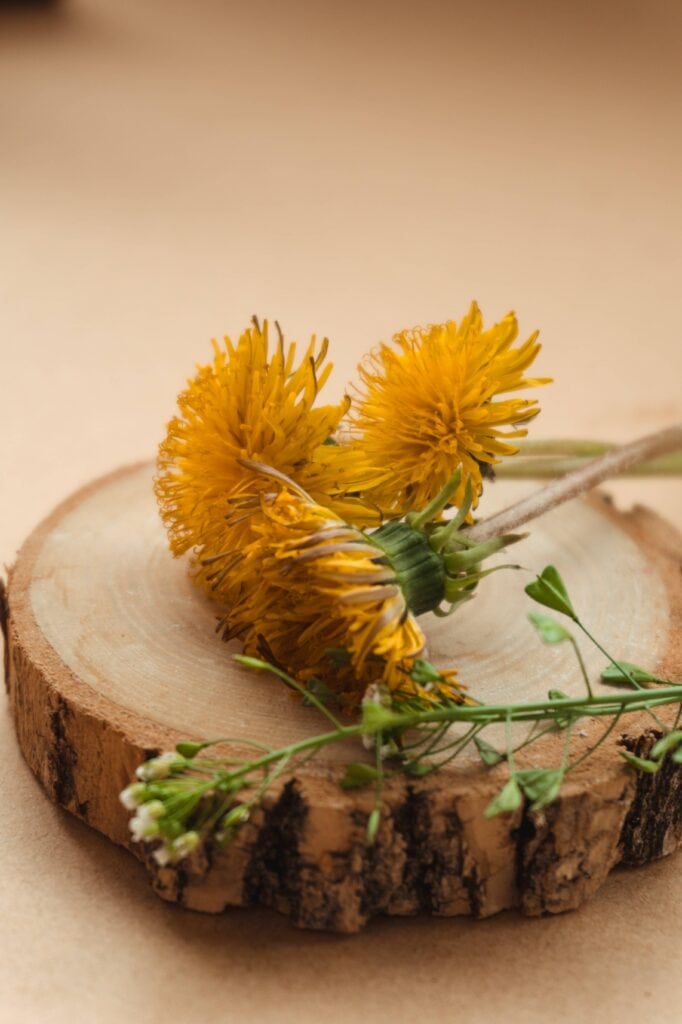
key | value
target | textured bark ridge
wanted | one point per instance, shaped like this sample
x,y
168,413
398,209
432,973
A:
x,y
303,852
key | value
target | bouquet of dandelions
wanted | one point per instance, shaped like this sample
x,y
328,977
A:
x,y
324,532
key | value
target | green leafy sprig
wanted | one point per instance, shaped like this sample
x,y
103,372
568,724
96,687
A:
x,y
187,797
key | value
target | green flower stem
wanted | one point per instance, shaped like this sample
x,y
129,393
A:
x,y
564,446
419,519
588,753
583,669
307,695
546,467
484,714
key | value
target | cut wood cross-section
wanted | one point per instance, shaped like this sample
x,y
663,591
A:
x,y
112,656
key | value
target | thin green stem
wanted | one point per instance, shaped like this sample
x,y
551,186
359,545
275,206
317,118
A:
x,y
588,753
621,669
508,739
546,467
419,519
583,669
307,695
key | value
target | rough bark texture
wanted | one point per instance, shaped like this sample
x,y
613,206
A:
x,y
303,851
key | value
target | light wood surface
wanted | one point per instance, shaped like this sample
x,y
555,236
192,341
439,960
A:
x,y
351,169
113,654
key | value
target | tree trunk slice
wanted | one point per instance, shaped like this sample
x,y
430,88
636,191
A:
x,y
111,656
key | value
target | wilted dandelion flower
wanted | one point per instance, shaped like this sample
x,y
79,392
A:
x,y
329,603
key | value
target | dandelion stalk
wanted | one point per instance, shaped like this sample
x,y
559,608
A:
x,y
548,467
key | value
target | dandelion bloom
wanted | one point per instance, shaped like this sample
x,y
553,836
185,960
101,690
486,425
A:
x,y
255,404
430,403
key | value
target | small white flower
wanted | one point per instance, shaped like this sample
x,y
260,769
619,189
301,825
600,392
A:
x,y
185,844
159,767
132,796
163,856
152,810
142,828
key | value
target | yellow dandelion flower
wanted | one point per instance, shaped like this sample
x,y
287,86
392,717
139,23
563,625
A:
x,y
250,403
321,586
430,403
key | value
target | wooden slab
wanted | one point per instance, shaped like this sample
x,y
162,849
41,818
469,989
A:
x,y
111,655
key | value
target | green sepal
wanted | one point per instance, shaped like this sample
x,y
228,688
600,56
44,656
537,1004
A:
x,y
419,569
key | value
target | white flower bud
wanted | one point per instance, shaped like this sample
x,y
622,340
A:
x,y
163,856
185,844
152,810
159,767
132,796
142,828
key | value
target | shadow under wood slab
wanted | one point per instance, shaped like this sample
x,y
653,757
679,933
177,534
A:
x,y
111,656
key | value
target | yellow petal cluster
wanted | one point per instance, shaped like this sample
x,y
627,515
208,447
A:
x,y
254,403
430,402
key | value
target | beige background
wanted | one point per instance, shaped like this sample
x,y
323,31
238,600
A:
x,y
351,168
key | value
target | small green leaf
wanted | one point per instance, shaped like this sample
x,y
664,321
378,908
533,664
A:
x,y
666,744
550,590
373,823
489,755
640,763
614,674
541,785
557,695
508,799
358,774
549,630
677,756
